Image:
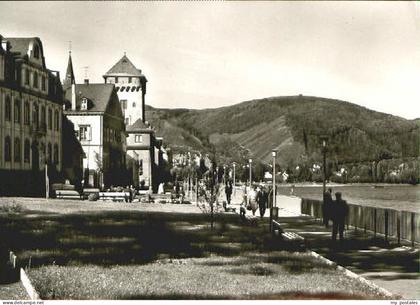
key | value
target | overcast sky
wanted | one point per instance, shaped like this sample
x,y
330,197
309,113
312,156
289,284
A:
x,y
210,54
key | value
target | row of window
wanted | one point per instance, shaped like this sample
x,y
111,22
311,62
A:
x,y
35,79
123,80
51,156
35,114
128,88
111,135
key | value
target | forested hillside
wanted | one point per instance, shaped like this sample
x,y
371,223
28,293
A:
x,y
294,126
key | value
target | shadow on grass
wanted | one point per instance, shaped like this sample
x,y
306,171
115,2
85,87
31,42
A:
x,y
291,295
124,238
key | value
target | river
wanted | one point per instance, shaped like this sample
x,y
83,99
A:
x,y
399,197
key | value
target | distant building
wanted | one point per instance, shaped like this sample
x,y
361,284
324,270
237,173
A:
x,y
98,121
130,85
31,98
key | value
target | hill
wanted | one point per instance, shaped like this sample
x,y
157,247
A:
x,y
292,125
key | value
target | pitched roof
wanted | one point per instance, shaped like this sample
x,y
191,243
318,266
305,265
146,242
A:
x,y
69,80
99,95
139,125
124,67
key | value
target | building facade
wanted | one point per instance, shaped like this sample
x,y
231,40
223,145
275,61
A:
x,y
31,99
130,85
98,121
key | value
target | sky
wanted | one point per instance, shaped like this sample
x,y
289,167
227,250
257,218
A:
x,y
211,54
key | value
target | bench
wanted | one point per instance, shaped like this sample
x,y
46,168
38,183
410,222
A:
x,y
292,237
67,194
114,196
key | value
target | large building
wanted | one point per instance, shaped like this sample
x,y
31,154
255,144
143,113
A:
x,y
98,121
144,150
31,99
130,85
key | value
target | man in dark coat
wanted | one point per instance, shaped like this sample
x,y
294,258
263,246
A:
x,y
228,191
262,199
339,213
326,207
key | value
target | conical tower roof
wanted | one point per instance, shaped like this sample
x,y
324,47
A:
x,y
69,80
124,67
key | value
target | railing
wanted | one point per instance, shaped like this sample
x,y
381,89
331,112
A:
x,y
402,225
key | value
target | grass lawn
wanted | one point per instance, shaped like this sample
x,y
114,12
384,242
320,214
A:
x,y
86,250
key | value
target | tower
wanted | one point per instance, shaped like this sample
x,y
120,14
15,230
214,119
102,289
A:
x,y
130,84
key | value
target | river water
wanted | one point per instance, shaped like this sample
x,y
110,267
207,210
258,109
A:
x,y
399,197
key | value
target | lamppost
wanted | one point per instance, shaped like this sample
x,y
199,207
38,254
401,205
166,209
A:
x,y
324,152
234,178
274,153
250,173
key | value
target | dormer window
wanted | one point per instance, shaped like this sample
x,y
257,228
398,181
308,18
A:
x,y
84,105
36,51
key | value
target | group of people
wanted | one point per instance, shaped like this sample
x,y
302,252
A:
x,y
256,198
336,211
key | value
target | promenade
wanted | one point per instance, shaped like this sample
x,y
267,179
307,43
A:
x,y
393,267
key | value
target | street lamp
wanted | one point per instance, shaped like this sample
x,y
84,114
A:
x,y
274,153
234,178
250,173
324,152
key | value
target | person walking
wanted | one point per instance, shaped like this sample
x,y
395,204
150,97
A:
x,y
339,213
326,207
253,200
228,191
262,201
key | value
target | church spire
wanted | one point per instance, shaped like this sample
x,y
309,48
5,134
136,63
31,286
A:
x,y
69,80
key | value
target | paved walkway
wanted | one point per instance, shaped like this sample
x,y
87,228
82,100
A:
x,y
395,268
13,291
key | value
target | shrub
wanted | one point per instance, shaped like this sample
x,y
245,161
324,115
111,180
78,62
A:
x,y
93,197
11,208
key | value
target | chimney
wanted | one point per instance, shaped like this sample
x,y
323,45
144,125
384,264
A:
x,y
73,96
86,81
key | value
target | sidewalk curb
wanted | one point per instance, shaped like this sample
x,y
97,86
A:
x,y
354,275
26,282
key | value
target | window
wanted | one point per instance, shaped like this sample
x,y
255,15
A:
x,y
35,84
84,105
57,120
49,157
50,118
7,149
27,76
84,133
16,112
129,79
56,154
8,109
43,83
17,150
138,139
36,51
26,116
43,116
134,104
26,151
124,104
35,116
